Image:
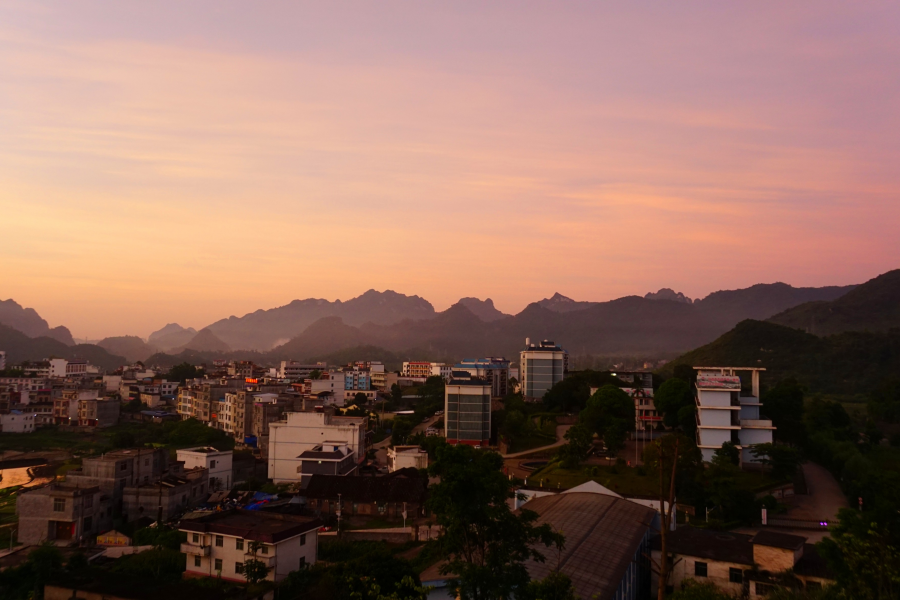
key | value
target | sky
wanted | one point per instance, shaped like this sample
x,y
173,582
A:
x,y
183,162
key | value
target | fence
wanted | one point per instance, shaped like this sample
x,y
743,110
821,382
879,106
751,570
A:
x,y
798,523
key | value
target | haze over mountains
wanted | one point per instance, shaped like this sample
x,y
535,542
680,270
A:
x,y
663,323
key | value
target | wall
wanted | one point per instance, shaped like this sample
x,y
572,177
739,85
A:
x,y
717,573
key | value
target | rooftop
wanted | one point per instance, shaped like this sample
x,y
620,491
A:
x,y
719,382
714,545
403,485
775,539
252,525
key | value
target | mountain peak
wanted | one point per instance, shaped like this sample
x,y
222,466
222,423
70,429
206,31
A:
x,y
668,294
562,304
483,309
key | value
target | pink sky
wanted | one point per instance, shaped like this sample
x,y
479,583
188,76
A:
x,y
162,162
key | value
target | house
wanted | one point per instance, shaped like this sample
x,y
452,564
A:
x,y
401,457
302,431
98,412
220,543
165,497
741,564
389,496
327,458
17,421
62,514
606,554
113,538
217,462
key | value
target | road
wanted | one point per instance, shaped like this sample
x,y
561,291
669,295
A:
x,y
560,440
825,497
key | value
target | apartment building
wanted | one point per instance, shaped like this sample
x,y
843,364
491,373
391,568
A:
x,y
541,366
493,369
217,462
467,410
293,370
62,514
728,413
416,369
441,370
98,412
219,544
65,407
116,470
174,492
16,421
302,431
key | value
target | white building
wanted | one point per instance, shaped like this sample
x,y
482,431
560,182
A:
x,y
219,544
725,413
291,369
217,462
441,370
541,366
302,431
17,422
402,457
416,369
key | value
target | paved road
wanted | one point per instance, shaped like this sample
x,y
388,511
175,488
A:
x,y
825,497
560,440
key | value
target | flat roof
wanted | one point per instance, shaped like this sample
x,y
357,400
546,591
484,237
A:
x,y
252,525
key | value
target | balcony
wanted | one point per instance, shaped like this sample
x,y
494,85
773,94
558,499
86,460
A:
x,y
266,559
756,424
188,548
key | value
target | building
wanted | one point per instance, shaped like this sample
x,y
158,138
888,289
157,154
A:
x,y
16,421
62,514
220,543
541,366
727,413
467,410
2,360
291,369
606,554
119,469
302,431
217,462
441,370
405,457
416,369
171,494
98,412
495,370
743,565
403,491
113,538
641,391
327,458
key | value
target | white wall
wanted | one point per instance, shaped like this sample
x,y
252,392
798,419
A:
x,y
303,431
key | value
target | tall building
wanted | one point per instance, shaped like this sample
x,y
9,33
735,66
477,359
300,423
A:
x,y
467,410
304,431
495,370
540,367
727,413
416,369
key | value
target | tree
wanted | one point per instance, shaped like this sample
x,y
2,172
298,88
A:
x,y
727,454
579,443
487,544
784,405
670,399
183,372
400,430
884,401
782,460
360,399
255,570
45,561
555,586
695,590
396,394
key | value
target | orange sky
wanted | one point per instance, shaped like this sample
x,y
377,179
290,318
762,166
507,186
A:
x,y
161,163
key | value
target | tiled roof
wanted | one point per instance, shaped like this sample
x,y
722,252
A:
x,y
603,533
252,525
714,545
775,539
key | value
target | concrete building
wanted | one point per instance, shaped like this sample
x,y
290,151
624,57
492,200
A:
x,y
302,431
219,544
327,458
404,457
495,370
62,514
541,366
217,462
441,370
398,495
416,369
467,410
116,470
98,412
726,413
747,566
291,369
16,421
172,493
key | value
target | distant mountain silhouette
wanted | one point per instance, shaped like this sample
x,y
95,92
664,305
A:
x,y
263,329
171,336
668,294
19,347
204,341
130,346
29,322
483,309
562,304
872,306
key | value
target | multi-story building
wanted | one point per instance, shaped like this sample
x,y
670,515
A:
x,y
293,370
62,514
219,544
98,412
217,462
16,421
727,413
114,471
402,457
416,369
65,407
172,493
541,366
467,410
441,370
495,370
302,431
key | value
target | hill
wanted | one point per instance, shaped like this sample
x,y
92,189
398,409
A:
x,y
171,336
205,341
872,306
130,346
848,363
19,347
483,309
29,322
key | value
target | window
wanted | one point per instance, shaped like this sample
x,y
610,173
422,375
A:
x,y
218,565
196,538
123,466
302,539
212,464
220,541
265,549
302,561
59,504
88,523
88,501
238,567
735,575
764,589
197,560
700,569
239,544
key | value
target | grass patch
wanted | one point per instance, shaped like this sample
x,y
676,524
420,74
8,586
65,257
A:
x,y
8,506
530,442
623,480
